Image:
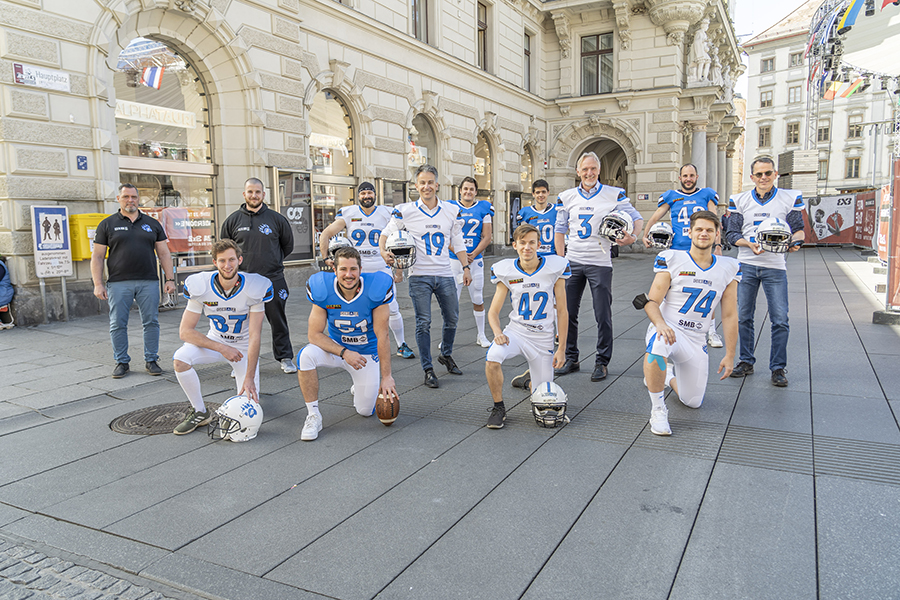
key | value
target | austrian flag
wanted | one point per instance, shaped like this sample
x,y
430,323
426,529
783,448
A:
x,y
152,76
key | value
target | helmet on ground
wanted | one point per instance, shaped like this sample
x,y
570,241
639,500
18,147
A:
x,y
402,246
661,236
548,404
774,235
239,419
616,225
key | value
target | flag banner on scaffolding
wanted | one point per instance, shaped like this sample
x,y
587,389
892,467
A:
x,y
853,87
832,90
850,14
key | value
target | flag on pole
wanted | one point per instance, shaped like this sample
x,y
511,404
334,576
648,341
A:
x,y
152,77
853,87
832,90
851,13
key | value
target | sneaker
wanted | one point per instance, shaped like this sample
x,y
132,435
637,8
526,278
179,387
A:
x,y
287,365
193,421
482,341
742,369
713,340
153,368
311,428
522,381
405,351
498,415
778,378
659,421
233,374
120,371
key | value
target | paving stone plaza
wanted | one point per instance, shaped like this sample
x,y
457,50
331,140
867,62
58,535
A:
x,y
761,493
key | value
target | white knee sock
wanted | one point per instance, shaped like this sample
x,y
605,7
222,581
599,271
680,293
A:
x,y
658,399
313,408
479,321
190,383
396,324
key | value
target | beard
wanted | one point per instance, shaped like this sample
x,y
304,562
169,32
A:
x,y
367,203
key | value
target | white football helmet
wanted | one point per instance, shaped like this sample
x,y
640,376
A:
x,y
661,236
616,225
402,246
548,404
336,243
774,235
239,419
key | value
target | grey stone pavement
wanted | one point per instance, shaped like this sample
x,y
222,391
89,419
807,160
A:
x,y
761,493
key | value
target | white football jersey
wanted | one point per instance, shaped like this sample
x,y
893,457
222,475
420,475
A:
x,y
363,231
533,300
228,317
432,231
580,213
694,293
755,212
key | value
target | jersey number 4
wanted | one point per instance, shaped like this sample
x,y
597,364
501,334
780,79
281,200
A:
x,y
221,324
540,299
704,306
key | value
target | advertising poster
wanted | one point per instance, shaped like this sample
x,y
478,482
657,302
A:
x,y
52,249
893,287
188,229
884,223
866,218
831,218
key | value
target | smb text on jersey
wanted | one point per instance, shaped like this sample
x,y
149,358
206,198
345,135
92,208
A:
x,y
432,231
681,207
582,213
693,292
364,231
473,219
228,317
755,211
350,322
545,223
533,301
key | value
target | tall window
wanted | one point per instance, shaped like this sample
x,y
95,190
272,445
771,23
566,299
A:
x,y
854,127
797,59
794,94
823,168
765,136
766,65
823,133
596,64
765,99
527,61
331,136
482,36
852,168
793,133
420,20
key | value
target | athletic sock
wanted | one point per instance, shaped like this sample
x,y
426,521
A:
x,y
313,408
190,383
670,375
658,399
396,324
479,321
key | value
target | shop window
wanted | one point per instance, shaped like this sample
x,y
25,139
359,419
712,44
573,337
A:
x,y
331,136
527,174
422,143
482,166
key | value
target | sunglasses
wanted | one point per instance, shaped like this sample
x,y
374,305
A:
x,y
763,174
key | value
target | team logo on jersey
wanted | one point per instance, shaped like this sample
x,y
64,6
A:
x,y
432,226
660,263
531,285
519,280
687,274
243,229
703,282
147,228
265,229
283,294
227,309
211,303
349,314
120,229
333,306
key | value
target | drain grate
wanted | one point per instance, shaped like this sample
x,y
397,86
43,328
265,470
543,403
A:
x,y
858,459
155,420
768,449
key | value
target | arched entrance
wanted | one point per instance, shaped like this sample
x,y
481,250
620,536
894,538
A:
x,y
613,162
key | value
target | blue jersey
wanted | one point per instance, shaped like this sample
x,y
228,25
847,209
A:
x,y
545,222
681,207
350,322
473,219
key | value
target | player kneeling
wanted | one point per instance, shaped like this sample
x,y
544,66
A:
x,y
538,291
687,287
348,328
235,305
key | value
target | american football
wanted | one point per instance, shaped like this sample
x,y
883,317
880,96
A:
x,y
387,411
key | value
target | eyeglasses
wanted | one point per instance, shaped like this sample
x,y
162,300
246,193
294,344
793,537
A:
x,y
763,174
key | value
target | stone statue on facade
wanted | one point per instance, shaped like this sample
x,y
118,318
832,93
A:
x,y
700,61
715,72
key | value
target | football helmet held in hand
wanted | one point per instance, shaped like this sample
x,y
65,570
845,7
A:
x,y
774,235
402,246
239,419
660,236
616,225
548,405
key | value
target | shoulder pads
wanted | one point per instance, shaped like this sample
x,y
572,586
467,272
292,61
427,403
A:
x,y
196,285
318,286
258,288
378,286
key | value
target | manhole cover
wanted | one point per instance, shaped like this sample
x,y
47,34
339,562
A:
x,y
155,420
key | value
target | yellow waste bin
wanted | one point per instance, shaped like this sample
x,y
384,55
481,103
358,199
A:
x,y
81,232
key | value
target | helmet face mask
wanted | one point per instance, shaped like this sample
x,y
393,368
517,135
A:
x,y
402,246
334,244
548,405
774,235
238,420
661,236
616,225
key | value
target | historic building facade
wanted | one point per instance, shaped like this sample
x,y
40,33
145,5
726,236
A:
x,y
187,98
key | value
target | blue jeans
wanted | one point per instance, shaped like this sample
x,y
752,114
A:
x,y
121,295
421,287
774,284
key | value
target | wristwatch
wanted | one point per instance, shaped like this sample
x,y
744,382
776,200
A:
x,y
466,267
168,280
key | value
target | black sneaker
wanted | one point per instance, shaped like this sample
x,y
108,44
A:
x,y
778,378
522,381
120,371
498,415
742,369
448,362
153,368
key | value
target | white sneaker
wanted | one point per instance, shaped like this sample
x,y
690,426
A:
x,y
233,374
311,428
659,421
482,341
713,340
287,365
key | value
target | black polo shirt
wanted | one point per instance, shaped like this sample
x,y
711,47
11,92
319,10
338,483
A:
x,y
132,246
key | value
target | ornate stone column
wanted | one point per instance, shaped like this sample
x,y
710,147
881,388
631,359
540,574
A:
x,y
721,173
698,149
729,178
676,17
712,162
